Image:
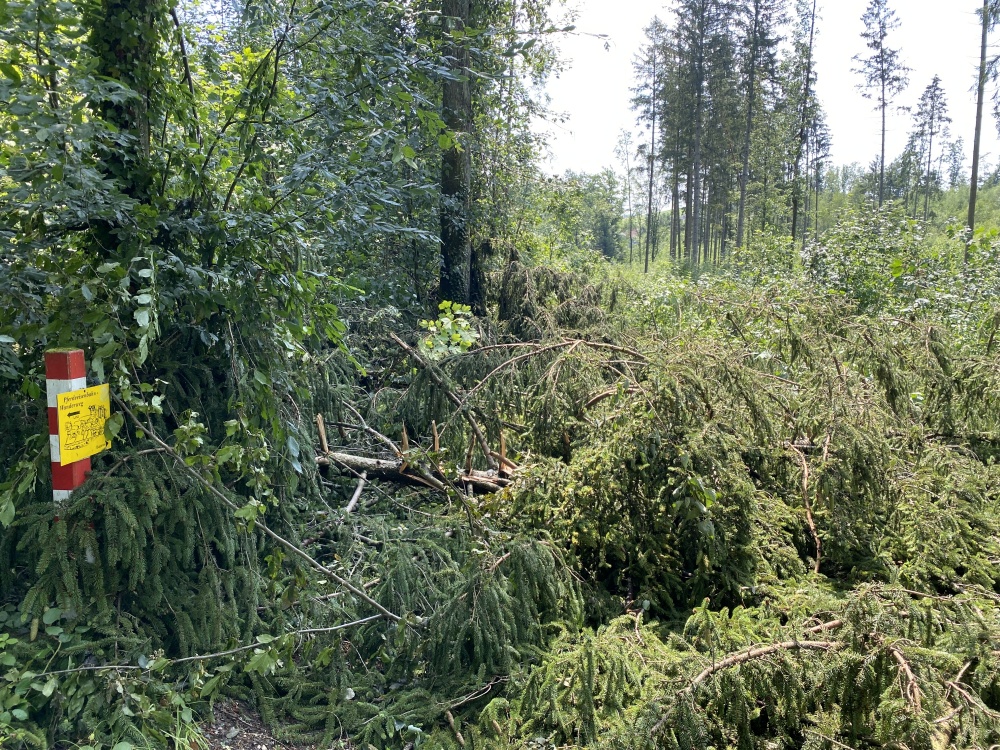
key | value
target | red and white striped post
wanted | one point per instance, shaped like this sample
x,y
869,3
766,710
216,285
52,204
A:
x,y
65,371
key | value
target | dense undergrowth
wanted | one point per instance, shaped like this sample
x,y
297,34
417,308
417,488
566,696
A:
x,y
756,508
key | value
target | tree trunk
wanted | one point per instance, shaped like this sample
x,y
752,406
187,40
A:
x,y
802,123
748,129
456,163
981,90
675,214
881,163
652,158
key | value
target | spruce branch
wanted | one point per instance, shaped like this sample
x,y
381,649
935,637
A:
x,y
439,380
215,491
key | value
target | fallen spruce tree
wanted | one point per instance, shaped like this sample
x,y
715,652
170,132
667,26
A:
x,y
774,526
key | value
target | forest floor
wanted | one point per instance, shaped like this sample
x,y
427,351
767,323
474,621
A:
x,y
236,726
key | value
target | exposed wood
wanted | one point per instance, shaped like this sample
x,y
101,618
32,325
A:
x,y
396,470
321,430
357,493
912,690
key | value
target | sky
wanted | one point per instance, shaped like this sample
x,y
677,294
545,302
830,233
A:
x,y
935,38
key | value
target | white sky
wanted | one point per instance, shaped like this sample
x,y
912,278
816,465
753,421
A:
x,y
935,37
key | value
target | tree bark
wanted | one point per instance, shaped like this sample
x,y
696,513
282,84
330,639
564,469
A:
x,y
456,163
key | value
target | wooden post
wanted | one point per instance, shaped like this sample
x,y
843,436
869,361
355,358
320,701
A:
x,y
65,371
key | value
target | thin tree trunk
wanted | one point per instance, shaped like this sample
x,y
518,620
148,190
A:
x,y
981,90
881,163
927,177
652,159
748,129
675,214
802,123
628,187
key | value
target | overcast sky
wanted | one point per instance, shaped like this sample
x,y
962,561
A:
x,y
935,38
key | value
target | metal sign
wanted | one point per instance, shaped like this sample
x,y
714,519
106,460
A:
x,y
82,416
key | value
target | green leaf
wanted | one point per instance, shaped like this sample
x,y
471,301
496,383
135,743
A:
x,y
11,72
51,615
6,512
262,663
142,317
293,446
113,426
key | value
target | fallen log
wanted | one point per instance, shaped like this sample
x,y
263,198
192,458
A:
x,y
397,470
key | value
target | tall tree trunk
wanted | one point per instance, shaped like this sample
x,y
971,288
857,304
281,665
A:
x,y
456,163
881,162
927,177
748,129
803,121
980,93
652,158
675,214
628,188
688,207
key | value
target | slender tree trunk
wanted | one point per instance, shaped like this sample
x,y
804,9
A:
x,y
796,197
688,207
456,166
980,93
652,158
748,129
628,183
927,178
675,214
881,163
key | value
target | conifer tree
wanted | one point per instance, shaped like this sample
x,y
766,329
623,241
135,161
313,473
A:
x,y
759,61
885,76
805,105
989,14
929,120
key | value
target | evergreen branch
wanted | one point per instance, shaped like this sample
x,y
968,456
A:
x,y
912,692
758,653
294,549
807,504
205,657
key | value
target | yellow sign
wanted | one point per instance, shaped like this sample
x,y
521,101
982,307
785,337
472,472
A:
x,y
82,415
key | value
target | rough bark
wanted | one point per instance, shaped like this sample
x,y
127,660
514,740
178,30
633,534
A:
x,y
456,163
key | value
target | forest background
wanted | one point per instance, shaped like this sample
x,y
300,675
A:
x,y
415,445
